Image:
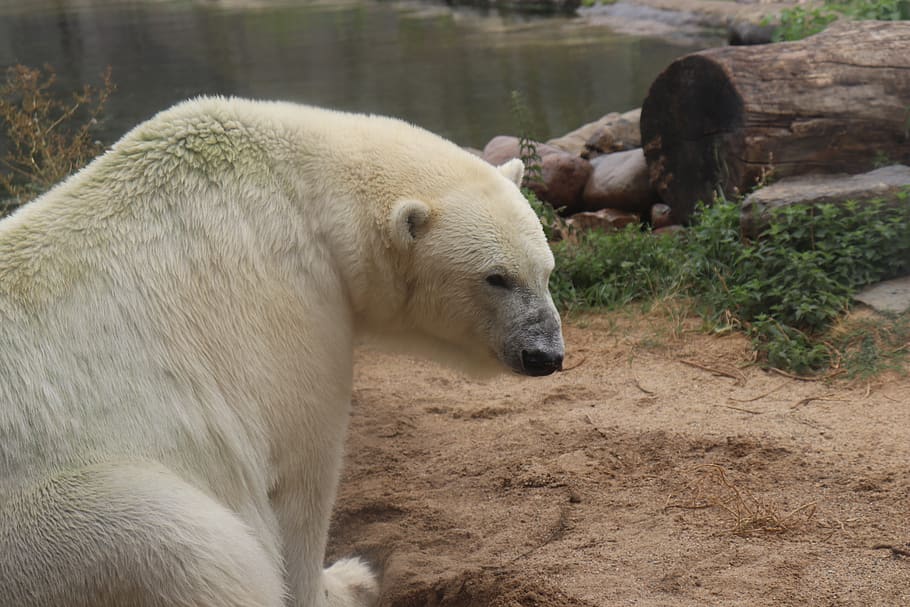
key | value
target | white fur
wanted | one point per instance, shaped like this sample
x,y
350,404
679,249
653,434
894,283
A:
x,y
176,331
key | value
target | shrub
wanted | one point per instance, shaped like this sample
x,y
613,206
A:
x,y
48,135
785,288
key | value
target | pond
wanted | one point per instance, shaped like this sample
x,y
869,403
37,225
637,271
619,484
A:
x,y
450,70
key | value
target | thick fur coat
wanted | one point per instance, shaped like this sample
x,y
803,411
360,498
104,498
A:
x,y
177,323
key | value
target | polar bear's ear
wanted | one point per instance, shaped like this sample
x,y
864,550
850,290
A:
x,y
408,219
514,170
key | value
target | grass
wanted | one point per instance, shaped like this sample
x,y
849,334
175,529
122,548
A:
x,y
799,22
788,289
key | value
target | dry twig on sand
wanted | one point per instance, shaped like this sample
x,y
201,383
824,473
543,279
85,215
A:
x,y
750,514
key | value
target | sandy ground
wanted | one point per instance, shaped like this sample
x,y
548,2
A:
x,y
663,469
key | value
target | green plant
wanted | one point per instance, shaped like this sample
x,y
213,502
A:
x,y
790,284
533,176
611,269
879,10
48,134
868,344
798,22
784,288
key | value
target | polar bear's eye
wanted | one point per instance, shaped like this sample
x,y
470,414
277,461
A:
x,y
497,280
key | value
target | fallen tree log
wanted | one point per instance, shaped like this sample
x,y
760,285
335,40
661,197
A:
x,y
721,119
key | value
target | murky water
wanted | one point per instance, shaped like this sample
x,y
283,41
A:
x,y
449,70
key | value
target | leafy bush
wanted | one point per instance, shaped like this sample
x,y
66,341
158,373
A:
x,y
608,270
785,288
47,136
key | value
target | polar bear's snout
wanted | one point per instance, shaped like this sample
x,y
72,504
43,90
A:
x,y
535,347
541,362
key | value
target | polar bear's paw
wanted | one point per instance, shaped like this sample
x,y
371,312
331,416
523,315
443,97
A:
x,y
350,583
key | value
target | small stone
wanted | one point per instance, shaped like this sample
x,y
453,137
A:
x,y
661,216
607,220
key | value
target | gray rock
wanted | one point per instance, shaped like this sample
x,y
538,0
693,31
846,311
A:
x,y
745,33
563,175
619,181
887,296
885,183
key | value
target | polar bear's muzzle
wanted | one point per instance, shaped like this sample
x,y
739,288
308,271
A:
x,y
541,362
535,346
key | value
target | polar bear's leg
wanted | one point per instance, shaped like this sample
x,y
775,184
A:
x,y
136,534
350,583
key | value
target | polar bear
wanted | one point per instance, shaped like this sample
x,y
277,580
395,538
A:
x,y
176,331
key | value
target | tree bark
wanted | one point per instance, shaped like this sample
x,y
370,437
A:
x,y
721,119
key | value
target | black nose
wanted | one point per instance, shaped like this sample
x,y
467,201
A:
x,y
539,362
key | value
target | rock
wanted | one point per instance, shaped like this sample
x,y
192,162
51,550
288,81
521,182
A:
x,y
563,175
574,142
635,19
605,219
745,33
500,149
618,131
887,296
885,183
619,181
660,216
524,6
617,135
670,230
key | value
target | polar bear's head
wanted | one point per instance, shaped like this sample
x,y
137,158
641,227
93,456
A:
x,y
475,265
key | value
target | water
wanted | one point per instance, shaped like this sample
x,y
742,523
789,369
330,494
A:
x,y
449,70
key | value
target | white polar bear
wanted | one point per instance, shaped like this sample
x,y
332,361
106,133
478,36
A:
x,y
176,331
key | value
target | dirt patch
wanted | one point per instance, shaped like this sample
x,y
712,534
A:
x,y
663,469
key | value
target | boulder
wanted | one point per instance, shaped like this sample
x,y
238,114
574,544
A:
x,y
563,175
885,183
616,132
661,216
670,230
615,136
745,33
888,296
619,181
606,220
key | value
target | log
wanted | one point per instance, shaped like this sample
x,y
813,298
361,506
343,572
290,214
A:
x,y
720,119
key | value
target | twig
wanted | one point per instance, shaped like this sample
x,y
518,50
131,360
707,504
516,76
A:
x,y
744,410
791,376
895,551
760,396
576,365
593,425
555,533
809,399
692,363
639,386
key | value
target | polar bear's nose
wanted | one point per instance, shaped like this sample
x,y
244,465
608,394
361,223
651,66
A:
x,y
540,362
